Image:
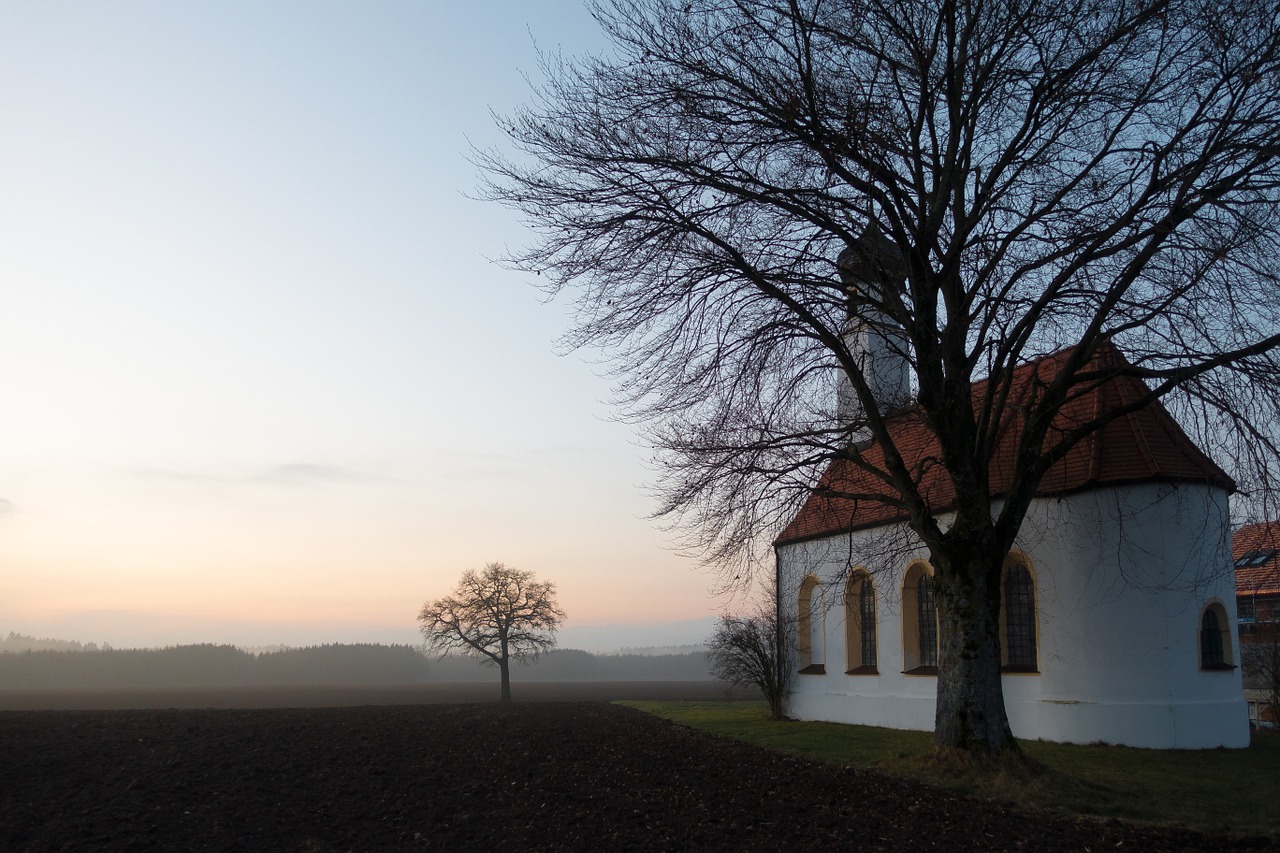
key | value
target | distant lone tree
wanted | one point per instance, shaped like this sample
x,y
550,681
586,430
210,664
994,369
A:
x,y
744,652
500,613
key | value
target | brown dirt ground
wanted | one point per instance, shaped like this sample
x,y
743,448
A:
x,y
343,695
529,776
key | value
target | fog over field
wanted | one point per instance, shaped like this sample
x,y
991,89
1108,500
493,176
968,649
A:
x,y
63,665
600,637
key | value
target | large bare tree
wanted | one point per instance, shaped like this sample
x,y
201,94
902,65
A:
x,y
498,613
1007,179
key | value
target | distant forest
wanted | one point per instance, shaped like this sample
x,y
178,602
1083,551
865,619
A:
x,y
210,665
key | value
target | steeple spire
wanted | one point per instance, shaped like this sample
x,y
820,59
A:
x,y
871,270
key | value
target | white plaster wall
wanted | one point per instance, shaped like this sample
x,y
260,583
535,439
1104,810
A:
x,y
1122,576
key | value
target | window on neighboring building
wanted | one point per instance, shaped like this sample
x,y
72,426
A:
x,y
860,625
1018,619
810,631
1215,640
1244,610
1251,559
919,621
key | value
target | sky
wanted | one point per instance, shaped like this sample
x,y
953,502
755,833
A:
x,y
260,379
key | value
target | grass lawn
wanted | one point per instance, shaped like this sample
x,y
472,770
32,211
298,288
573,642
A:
x,y
1234,791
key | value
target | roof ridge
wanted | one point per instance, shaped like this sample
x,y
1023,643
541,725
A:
x,y
1095,437
1142,446
1136,425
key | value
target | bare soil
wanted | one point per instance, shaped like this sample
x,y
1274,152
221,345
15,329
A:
x,y
344,695
528,776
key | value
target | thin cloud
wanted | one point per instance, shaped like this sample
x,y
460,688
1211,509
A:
x,y
470,466
175,476
7,508
304,474
293,474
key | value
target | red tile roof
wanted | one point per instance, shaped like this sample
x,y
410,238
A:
x,y
1143,446
1263,579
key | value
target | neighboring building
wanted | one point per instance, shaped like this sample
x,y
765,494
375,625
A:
x,y
1255,549
1117,615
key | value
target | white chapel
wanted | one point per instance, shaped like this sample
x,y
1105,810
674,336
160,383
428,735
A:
x,y
1118,614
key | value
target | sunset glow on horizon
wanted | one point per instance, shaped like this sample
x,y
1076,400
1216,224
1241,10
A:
x,y
262,382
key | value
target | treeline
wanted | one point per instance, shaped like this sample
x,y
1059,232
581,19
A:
x,y
577,665
16,642
209,665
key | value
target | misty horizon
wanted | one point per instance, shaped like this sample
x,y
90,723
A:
x,y
595,639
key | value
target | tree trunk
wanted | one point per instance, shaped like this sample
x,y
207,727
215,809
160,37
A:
x,y
970,712
504,667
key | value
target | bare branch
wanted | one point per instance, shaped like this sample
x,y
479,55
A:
x,y
738,191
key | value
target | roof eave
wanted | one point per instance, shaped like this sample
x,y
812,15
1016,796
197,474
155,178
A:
x,y
1228,486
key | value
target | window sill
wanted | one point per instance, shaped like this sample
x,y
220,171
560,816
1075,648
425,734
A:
x,y
1019,670
921,670
814,669
1218,667
863,670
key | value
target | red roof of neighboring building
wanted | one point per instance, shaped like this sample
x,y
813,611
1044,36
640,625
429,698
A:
x,y
1142,446
1257,539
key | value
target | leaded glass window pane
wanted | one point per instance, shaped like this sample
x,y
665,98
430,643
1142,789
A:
x,y
927,613
867,615
1211,641
1020,619
817,638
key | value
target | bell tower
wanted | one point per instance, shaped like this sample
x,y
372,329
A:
x,y
870,270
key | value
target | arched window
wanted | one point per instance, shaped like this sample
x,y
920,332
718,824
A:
x,y
1215,639
927,609
810,631
919,621
860,625
1018,619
